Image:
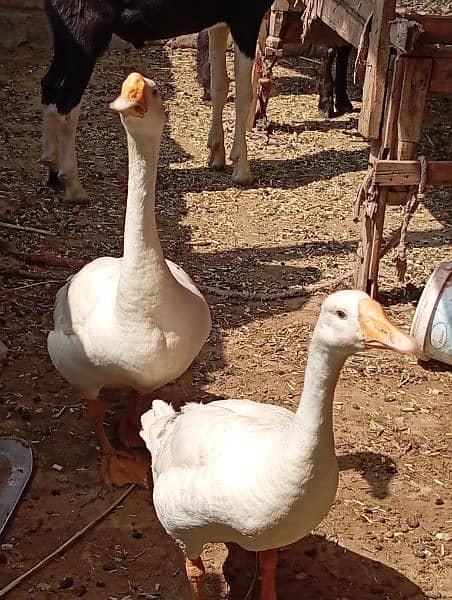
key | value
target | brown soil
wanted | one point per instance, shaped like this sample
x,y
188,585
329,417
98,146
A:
x,y
386,535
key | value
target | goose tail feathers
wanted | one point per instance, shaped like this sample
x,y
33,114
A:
x,y
155,424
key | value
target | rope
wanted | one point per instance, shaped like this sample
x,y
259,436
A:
x,y
415,197
362,194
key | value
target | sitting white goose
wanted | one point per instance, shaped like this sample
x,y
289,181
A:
x,y
136,321
256,474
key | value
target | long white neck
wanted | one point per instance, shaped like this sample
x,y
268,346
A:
x,y
311,432
144,271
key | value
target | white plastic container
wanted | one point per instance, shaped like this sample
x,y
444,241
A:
x,y
432,322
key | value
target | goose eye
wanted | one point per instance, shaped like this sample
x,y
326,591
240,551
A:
x,y
341,314
155,92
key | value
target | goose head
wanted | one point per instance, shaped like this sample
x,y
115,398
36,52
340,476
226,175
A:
x,y
350,321
140,106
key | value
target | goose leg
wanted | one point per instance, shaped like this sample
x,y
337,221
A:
x,y
130,423
117,468
267,567
195,572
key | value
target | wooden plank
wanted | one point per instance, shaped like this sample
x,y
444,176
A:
x,y
437,29
376,70
364,256
377,239
393,105
441,80
416,82
433,51
345,17
408,172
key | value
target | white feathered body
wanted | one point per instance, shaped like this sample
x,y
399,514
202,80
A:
x,y
93,345
221,473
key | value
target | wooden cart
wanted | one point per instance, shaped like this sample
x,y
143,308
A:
x,y
402,59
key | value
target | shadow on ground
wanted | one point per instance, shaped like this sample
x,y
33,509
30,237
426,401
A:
x,y
316,568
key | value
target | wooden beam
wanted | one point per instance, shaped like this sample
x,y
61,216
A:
x,y
437,29
377,239
408,172
416,83
433,51
441,80
394,94
345,17
376,70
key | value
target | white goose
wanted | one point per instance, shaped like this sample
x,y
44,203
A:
x,y
256,474
136,321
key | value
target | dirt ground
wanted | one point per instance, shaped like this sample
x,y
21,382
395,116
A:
x,y
386,537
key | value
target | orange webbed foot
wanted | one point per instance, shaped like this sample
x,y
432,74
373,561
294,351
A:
x,y
121,468
195,573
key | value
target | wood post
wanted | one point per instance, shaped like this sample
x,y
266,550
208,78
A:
x,y
377,239
416,82
257,68
376,69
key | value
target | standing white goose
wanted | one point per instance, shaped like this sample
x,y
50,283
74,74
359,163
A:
x,y
136,321
256,474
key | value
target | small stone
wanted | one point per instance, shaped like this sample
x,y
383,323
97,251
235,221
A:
x,y
109,567
434,594
80,590
66,583
404,529
413,522
56,492
100,583
378,547
34,496
24,413
7,546
443,537
3,558
44,587
57,467
356,406
137,534
420,553
439,501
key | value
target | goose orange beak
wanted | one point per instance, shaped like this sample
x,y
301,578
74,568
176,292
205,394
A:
x,y
132,99
379,332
